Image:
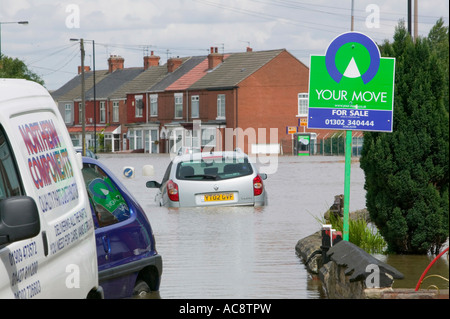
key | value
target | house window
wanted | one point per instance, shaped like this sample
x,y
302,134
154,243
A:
x,y
102,112
209,137
75,139
139,105
154,105
138,141
303,102
68,113
221,106
178,105
130,136
195,106
116,111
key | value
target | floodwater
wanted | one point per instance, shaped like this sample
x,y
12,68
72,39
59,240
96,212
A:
x,y
247,252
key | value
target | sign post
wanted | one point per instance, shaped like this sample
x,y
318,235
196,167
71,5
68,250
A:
x,y
351,88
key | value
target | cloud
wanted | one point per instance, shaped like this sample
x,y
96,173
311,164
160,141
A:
x,y
187,27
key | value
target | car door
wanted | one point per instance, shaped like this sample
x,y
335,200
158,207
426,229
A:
x,y
16,256
162,198
109,209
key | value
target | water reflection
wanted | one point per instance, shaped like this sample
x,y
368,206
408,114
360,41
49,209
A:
x,y
242,252
246,252
228,253
412,267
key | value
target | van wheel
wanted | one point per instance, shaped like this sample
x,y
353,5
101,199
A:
x,y
141,289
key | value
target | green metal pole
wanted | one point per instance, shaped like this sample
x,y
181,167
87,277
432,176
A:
x,y
348,162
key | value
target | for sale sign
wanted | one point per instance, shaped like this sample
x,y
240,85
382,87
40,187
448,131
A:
x,y
352,86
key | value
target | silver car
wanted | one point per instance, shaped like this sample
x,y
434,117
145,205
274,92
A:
x,y
89,153
211,179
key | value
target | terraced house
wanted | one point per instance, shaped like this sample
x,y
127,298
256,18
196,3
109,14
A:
x,y
217,101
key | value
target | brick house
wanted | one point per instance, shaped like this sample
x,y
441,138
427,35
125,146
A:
x,y
145,131
109,116
133,103
250,93
219,101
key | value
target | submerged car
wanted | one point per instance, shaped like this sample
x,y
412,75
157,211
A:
x,y
211,179
128,263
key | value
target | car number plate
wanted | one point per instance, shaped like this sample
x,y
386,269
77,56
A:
x,y
220,197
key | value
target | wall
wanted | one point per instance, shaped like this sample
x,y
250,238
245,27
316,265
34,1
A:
x,y
269,97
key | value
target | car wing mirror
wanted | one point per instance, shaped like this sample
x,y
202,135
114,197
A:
x,y
19,219
153,184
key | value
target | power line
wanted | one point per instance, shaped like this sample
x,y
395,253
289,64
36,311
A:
x,y
62,49
70,59
309,25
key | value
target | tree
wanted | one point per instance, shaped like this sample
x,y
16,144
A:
x,y
438,38
15,68
407,176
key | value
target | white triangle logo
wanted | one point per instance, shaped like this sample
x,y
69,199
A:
x,y
352,70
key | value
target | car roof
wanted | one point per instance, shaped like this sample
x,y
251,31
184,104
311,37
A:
x,y
209,155
11,89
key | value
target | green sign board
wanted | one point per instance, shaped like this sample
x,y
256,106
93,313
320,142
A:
x,y
351,87
107,197
303,148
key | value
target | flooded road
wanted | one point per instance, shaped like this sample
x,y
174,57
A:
x,y
243,252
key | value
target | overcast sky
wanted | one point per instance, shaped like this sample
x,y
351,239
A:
x,y
182,28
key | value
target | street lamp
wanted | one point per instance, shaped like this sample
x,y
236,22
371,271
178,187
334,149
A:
x,y
15,22
95,106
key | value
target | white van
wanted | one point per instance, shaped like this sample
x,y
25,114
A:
x,y
47,241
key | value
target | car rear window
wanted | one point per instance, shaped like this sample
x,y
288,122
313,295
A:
x,y
213,169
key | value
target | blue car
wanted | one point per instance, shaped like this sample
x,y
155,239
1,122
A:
x,y
128,263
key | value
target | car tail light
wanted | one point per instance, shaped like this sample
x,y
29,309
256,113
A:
x,y
172,191
257,185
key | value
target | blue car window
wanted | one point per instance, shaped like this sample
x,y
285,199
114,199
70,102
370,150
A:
x,y
107,201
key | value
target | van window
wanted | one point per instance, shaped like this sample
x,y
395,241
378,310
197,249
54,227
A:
x,y
108,203
10,184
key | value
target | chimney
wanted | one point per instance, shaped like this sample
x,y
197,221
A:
x,y
173,64
249,49
150,61
86,69
115,62
214,58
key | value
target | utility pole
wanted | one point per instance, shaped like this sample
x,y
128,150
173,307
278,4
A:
x,y
409,17
95,106
83,101
416,22
95,98
352,24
